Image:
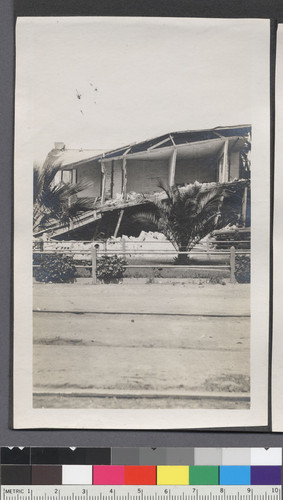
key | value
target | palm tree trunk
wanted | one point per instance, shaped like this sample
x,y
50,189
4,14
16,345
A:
x,y
183,258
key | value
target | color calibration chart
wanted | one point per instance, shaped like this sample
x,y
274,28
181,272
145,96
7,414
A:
x,y
141,473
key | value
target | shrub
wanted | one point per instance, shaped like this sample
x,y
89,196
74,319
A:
x,y
56,268
223,237
243,268
82,272
110,268
37,258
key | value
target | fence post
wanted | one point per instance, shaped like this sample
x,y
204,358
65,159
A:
x,y
41,248
93,263
123,241
232,264
208,248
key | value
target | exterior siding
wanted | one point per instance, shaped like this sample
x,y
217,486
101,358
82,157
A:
x,y
234,165
117,189
90,173
108,178
143,176
187,173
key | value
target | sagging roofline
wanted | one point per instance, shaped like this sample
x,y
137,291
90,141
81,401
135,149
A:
x,y
158,143
170,137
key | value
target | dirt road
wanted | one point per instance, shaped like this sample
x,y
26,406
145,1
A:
x,y
148,346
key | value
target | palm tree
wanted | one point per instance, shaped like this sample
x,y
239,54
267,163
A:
x,y
55,202
190,213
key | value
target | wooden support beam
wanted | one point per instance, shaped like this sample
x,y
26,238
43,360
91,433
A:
x,y
244,205
103,180
171,137
158,144
226,161
172,167
74,176
112,179
124,174
118,223
124,184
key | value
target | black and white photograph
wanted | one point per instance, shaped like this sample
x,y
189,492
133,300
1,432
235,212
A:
x,y
141,222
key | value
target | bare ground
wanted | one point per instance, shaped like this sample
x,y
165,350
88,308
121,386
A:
x,y
141,346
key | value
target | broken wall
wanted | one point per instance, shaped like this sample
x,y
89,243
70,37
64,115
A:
x,y
201,170
144,176
90,173
113,178
234,170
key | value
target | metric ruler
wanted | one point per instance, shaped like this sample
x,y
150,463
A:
x,y
82,492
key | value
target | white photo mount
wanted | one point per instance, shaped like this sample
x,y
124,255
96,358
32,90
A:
x,y
33,111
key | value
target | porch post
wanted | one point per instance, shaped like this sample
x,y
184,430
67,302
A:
x,y
74,176
124,169
172,167
103,179
244,205
112,179
118,222
226,162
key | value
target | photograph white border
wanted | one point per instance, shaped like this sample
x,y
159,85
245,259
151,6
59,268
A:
x,y
25,416
277,347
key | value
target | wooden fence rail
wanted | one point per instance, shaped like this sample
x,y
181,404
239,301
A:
x,y
94,254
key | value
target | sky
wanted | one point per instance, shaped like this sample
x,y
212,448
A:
x,y
101,83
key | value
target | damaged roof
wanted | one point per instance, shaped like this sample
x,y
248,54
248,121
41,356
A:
x,y
174,139
73,157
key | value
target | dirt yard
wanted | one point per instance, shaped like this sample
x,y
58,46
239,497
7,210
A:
x,y
141,346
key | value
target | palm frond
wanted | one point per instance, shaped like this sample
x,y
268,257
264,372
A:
x,y
146,218
56,201
190,213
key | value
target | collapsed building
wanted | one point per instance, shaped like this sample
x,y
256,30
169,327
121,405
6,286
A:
x,y
121,181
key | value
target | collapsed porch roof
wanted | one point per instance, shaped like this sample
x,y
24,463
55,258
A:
x,y
91,216
189,151
71,158
189,143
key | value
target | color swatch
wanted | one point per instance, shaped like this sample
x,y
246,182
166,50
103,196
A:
x,y
208,456
80,456
266,475
172,474
236,456
140,474
108,474
201,474
235,474
46,474
141,466
15,474
76,474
